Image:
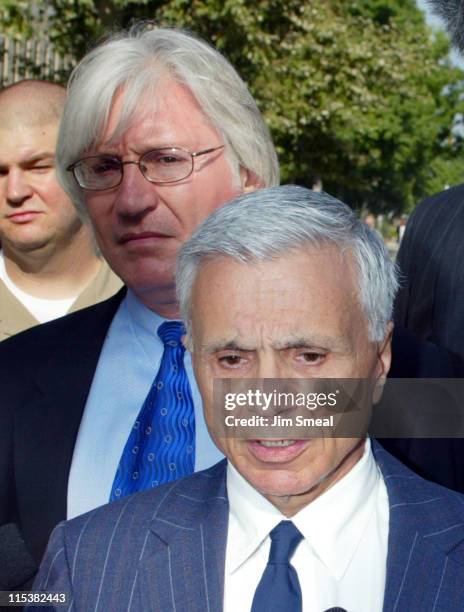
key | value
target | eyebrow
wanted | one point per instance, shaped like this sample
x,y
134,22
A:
x,y
225,345
110,147
299,342
28,161
38,157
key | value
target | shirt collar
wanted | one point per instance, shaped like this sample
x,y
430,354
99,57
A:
x,y
144,323
332,525
251,518
141,316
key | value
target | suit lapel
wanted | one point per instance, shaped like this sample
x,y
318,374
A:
x,y
184,558
47,427
425,543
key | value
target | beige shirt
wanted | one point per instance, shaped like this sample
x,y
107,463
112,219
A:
x,y
14,316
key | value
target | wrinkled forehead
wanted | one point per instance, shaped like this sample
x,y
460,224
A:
x,y
309,286
129,105
164,97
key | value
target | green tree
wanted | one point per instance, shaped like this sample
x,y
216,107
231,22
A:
x,y
358,93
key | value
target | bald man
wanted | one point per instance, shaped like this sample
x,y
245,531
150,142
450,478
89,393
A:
x,y
48,260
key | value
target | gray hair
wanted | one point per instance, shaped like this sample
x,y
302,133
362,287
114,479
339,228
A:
x,y
268,223
136,61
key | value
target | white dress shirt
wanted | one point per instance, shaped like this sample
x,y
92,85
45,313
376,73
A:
x,y
127,366
42,309
342,559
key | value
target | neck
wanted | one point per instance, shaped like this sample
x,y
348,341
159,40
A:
x,y
292,504
162,301
57,272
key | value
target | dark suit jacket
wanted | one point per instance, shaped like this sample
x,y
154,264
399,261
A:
x,y
164,550
431,300
45,377
430,304
440,460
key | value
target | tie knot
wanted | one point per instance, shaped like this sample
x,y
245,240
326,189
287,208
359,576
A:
x,y
171,332
284,540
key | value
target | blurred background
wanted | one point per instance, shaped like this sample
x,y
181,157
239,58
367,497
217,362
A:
x,y
362,97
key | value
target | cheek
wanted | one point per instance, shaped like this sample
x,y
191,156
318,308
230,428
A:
x,y
204,381
49,190
66,210
99,220
212,194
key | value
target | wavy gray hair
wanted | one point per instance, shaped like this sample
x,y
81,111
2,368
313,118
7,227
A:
x,y
135,62
271,222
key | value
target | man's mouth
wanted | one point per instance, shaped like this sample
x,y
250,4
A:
x,y
141,236
276,450
273,443
23,216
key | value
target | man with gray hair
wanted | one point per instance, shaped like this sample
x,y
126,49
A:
x,y
158,131
282,283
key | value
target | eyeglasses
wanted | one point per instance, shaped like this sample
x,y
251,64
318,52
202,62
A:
x,y
168,165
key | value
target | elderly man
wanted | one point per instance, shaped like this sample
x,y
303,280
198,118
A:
x,y
281,283
48,263
157,132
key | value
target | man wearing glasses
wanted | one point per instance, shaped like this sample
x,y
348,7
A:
x,y
158,131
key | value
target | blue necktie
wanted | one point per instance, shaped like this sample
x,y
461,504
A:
x,y
279,589
161,445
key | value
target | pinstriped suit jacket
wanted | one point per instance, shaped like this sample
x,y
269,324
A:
x,y
430,302
164,550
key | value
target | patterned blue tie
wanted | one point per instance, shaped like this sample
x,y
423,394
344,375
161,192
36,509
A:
x,y
161,445
279,588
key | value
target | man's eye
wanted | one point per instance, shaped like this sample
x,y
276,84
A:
x,y
41,167
104,166
164,158
310,357
232,360
168,159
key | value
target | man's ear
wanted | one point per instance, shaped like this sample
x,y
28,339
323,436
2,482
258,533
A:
x,y
249,181
384,355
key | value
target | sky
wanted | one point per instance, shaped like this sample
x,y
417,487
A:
x,y
431,19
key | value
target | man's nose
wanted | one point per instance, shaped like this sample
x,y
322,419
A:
x,y
269,366
18,188
135,195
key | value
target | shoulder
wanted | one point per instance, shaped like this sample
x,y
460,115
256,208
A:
x,y
187,497
435,224
73,328
414,357
198,487
450,201
424,502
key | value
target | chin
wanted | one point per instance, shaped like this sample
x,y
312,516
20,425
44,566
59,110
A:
x,y
280,483
30,244
142,278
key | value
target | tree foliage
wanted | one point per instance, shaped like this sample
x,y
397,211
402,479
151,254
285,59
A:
x,y
358,93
